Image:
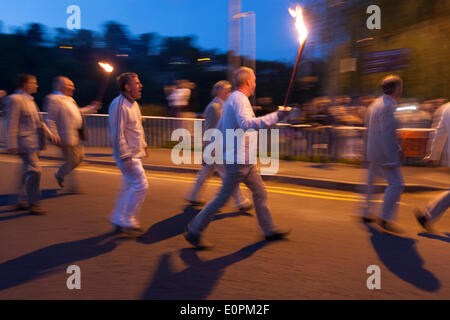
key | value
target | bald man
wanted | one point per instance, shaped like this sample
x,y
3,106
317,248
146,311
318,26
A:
x,y
65,120
238,114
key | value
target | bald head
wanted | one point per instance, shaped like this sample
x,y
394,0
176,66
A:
x,y
63,85
244,80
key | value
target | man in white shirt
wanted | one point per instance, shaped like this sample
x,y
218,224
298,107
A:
x,y
65,120
238,114
384,152
437,207
127,136
26,133
220,92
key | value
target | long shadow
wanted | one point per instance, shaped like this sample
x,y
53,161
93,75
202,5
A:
x,y
15,216
436,237
44,261
175,225
98,155
11,199
400,256
198,280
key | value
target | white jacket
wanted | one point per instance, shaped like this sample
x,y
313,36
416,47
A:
x,y
125,129
441,136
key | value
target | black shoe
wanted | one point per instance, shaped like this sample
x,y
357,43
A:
x,y
123,229
21,207
196,203
36,210
196,240
424,221
246,208
390,227
278,235
367,220
60,181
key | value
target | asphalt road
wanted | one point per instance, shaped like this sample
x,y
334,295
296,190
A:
x,y
325,257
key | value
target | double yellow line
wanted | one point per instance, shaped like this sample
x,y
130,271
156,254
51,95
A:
x,y
215,182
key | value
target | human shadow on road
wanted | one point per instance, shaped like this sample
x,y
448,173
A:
x,y
198,280
45,261
175,225
400,256
12,199
436,236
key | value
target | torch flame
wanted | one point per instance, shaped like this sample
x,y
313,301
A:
x,y
107,67
299,23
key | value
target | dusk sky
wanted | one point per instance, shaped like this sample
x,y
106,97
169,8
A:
x,y
276,38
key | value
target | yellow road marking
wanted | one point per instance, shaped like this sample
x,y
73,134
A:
x,y
217,183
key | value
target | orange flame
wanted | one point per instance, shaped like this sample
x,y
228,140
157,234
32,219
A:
x,y
299,23
107,67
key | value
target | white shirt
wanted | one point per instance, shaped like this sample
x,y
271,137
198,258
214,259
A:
x,y
442,136
73,109
125,128
237,113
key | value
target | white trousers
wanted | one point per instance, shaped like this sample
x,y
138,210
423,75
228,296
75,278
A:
x,y
131,193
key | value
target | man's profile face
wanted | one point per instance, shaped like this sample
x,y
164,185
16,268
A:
x,y
31,86
134,88
68,88
252,83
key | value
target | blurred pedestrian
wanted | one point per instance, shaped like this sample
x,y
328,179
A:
x,y
127,136
238,114
3,94
438,206
384,153
65,120
26,134
213,111
179,98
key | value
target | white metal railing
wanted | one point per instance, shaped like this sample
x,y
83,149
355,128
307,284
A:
x,y
294,140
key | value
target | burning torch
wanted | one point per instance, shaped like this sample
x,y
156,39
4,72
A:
x,y
108,69
302,35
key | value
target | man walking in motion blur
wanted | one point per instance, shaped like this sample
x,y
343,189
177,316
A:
x,y
127,135
238,114
384,153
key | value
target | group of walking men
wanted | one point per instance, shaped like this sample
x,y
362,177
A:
x,y
65,127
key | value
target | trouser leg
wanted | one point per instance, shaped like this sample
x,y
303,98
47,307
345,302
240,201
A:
x,y
31,176
230,182
202,175
237,195
255,183
393,192
121,202
371,175
437,207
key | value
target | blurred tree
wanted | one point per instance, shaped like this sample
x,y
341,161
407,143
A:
x,y
34,33
83,39
116,36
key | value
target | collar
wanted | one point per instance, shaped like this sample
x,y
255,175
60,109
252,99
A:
x,y
389,98
127,100
20,91
219,100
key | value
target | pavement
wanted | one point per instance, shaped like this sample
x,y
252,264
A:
x,y
327,255
335,176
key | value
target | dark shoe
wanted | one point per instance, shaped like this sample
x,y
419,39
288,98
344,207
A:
x,y
367,219
246,208
390,227
196,240
21,207
278,235
424,221
36,210
60,181
196,203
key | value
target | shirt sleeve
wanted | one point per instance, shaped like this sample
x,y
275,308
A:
x,y
12,122
52,114
246,120
440,136
118,120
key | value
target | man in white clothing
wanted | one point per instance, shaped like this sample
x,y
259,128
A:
x,y
127,136
65,120
238,114
439,205
220,92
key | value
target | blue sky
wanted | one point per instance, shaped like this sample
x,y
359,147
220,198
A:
x,y
276,37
